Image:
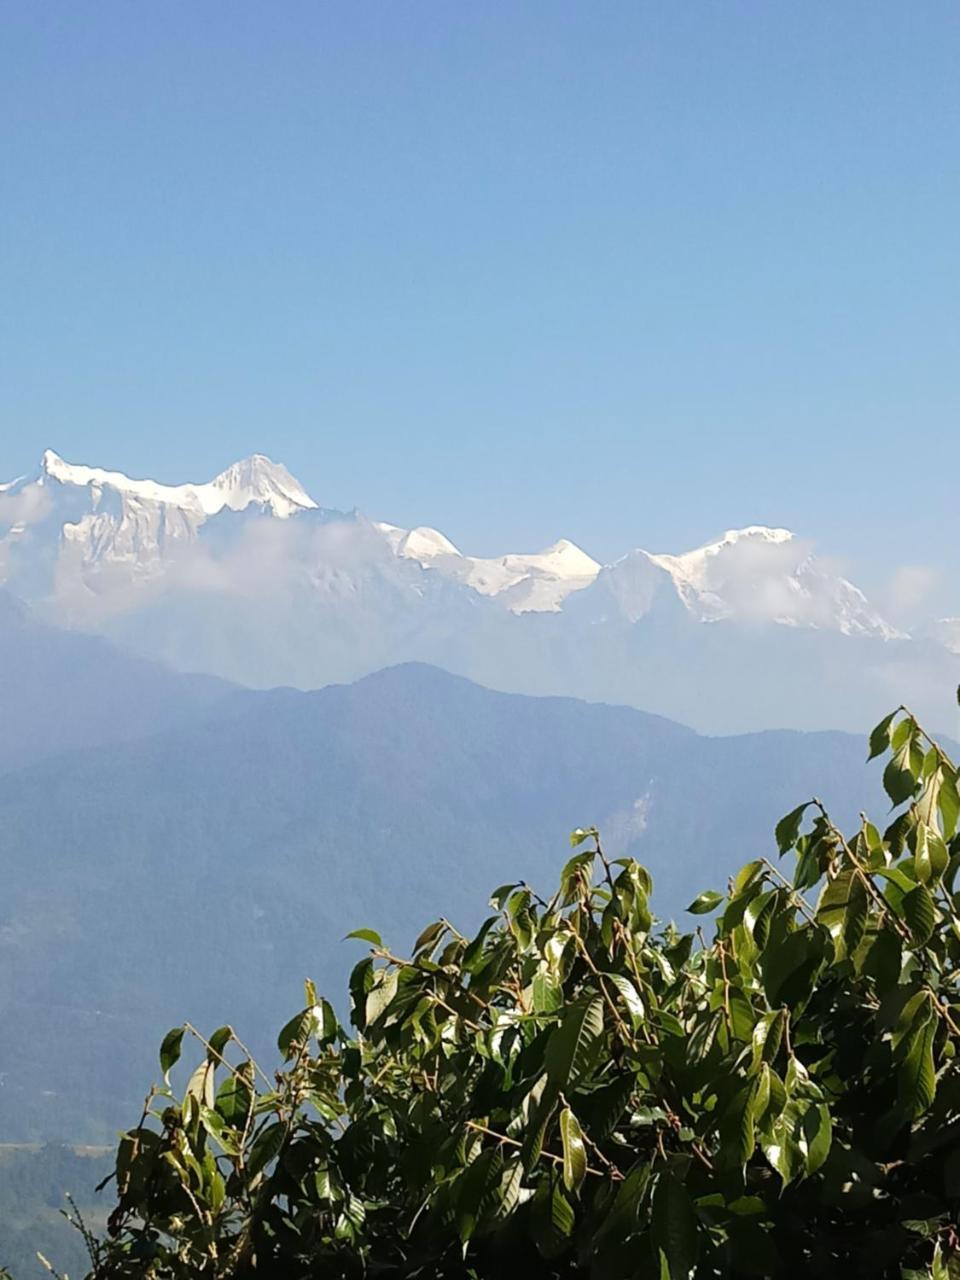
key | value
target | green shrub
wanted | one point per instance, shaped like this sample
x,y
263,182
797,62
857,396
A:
x,y
576,1091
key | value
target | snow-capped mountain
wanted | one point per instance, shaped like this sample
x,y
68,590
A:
x,y
246,576
753,575
68,530
94,521
536,582
255,480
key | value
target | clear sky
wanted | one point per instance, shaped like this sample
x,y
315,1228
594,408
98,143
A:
x,y
625,272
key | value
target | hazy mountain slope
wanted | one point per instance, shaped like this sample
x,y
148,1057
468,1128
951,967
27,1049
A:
x,y
61,690
204,872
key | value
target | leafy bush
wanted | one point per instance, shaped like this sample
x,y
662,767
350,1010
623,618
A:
x,y
575,1091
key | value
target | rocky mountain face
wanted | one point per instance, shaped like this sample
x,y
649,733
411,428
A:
x,y
247,577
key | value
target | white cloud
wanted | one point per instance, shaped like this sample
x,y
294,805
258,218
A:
x,y
26,506
911,586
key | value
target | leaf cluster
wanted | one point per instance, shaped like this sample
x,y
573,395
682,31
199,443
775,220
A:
x,y
579,1091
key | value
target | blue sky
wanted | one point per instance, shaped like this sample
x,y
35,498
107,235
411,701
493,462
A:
x,y
625,272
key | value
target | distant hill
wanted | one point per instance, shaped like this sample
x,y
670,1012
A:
x,y
33,1186
203,872
62,690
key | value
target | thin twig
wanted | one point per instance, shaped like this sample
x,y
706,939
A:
x,y
796,896
512,1142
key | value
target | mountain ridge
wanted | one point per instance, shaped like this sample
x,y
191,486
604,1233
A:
x,y
62,691
249,578
230,852
257,481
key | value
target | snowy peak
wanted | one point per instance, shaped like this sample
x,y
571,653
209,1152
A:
x,y
527,583
704,576
254,480
752,575
421,544
258,480
538,582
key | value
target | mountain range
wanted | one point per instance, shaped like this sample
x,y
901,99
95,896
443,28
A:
x,y
248,578
210,846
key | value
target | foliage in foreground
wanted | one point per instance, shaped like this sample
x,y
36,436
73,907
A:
x,y
574,1092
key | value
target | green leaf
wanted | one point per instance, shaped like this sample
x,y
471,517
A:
x,y
747,875
235,1096
781,1143
898,781
703,1037
939,1270
629,995
760,1094
676,1231
882,957
916,1077
742,1015
474,952
948,802
738,1128
170,1051
212,1122
296,1032
582,833
873,838
200,1084
747,1206
922,861
919,912
476,1188
931,856
709,900
500,895
562,1217
788,829
569,1048
880,736
366,935
553,1219
842,910
791,967
511,1185
768,1036
381,994
581,864
574,1151
601,1109
219,1041
756,918
431,935
547,994
807,871
897,876
537,1110
818,1135
265,1149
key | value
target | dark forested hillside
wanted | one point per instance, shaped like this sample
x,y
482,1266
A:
x,y
33,1183
205,871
